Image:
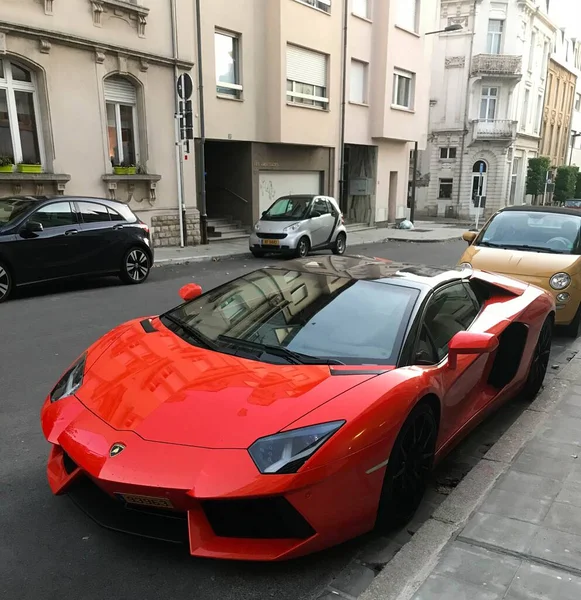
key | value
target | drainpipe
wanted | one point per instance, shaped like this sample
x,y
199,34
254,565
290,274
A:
x,y
467,104
178,145
342,182
202,163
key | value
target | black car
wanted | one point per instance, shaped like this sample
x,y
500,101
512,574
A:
x,y
43,238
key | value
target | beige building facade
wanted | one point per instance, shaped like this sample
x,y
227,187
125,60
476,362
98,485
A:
x,y
87,89
557,113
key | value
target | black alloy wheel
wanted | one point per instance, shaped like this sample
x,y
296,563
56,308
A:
x,y
5,283
540,361
408,469
340,244
303,247
136,266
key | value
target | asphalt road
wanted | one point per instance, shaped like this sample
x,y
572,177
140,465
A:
x,y
48,549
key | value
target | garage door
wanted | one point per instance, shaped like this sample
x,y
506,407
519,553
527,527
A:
x,y
274,184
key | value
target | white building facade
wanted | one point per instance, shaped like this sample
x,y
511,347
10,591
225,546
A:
x,y
487,97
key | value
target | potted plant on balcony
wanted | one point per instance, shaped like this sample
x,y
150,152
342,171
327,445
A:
x,y
125,168
6,164
32,167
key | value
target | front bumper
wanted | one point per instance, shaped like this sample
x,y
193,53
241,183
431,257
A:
x,y
275,243
214,500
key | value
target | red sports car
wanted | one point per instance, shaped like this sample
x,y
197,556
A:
x,y
293,408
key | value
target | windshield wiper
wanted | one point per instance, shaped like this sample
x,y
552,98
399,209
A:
x,y
295,357
535,248
490,245
199,338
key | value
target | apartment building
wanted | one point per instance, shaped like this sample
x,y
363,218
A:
x,y
283,108
89,85
487,98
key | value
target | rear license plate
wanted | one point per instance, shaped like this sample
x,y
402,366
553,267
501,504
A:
x,y
270,242
151,501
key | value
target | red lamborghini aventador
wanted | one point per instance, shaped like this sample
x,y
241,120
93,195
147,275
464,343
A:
x,y
293,408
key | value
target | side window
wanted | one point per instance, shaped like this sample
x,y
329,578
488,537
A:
x,y
320,206
92,212
426,352
331,209
115,216
57,214
450,311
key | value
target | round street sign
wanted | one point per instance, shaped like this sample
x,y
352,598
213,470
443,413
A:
x,y
185,86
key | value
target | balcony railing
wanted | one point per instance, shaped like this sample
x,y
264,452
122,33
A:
x,y
500,130
497,64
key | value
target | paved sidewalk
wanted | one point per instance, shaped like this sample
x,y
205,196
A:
x,y
425,231
512,529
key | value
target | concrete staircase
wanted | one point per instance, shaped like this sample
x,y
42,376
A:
x,y
353,227
221,229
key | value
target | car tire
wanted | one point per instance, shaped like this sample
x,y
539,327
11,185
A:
x,y
572,330
136,266
408,469
340,244
539,362
303,247
258,253
6,283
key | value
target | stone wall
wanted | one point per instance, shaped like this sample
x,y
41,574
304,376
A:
x,y
166,229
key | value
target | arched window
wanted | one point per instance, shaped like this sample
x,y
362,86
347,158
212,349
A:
x,y
479,180
122,128
19,133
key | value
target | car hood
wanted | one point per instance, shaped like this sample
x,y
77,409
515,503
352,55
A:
x,y
520,264
275,226
166,390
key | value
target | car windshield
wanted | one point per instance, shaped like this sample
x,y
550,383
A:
x,y
535,231
12,208
278,315
289,208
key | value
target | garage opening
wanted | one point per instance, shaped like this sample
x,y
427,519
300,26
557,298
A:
x,y
274,184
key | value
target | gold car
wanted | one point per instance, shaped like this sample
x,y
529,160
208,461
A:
x,y
539,245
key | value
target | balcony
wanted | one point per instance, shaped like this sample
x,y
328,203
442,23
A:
x,y
494,131
497,65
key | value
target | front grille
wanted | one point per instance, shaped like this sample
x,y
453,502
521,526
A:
x,y
69,464
271,236
168,526
261,518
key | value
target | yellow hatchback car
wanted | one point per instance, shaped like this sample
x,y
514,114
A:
x,y
537,244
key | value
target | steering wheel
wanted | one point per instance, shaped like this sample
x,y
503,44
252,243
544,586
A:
x,y
560,240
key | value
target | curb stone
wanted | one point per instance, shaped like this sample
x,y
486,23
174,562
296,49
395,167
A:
x,y
404,574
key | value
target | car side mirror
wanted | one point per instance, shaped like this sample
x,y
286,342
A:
x,y
316,213
190,292
466,342
469,236
32,227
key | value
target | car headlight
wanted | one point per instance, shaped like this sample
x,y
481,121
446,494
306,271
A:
x,y
292,227
559,281
288,451
71,381
465,265
257,226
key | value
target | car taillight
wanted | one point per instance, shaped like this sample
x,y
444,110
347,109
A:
x,y
342,220
144,227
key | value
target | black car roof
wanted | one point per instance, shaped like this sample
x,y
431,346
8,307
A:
x,y
48,198
560,210
374,269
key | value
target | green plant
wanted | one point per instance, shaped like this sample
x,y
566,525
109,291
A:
x,y
578,186
537,175
6,161
565,183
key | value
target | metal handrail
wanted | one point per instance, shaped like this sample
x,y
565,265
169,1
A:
x,y
225,189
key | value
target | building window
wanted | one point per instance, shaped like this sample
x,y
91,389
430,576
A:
x,y
488,102
445,191
494,43
545,61
403,89
539,113
578,102
448,153
408,14
358,82
532,51
525,110
122,128
514,179
324,5
361,8
306,77
227,49
19,131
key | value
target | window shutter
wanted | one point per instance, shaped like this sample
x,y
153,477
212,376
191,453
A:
x,y
357,80
306,66
120,90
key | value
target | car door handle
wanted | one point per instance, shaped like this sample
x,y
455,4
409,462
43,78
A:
x,y
118,227
71,232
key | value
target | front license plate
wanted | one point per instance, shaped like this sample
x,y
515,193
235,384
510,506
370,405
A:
x,y
151,501
270,242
